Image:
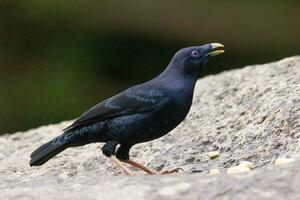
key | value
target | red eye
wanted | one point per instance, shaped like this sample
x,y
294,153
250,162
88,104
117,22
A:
x,y
195,54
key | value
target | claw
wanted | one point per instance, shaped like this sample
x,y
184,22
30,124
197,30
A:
x,y
174,170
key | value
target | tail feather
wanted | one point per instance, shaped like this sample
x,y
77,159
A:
x,y
46,152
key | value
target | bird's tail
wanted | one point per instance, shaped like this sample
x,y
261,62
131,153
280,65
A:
x,y
47,151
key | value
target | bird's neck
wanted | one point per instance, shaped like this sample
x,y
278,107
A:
x,y
179,87
174,78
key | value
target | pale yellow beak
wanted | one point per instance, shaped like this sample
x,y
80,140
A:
x,y
218,51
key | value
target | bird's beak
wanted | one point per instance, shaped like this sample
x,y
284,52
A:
x,y
216,49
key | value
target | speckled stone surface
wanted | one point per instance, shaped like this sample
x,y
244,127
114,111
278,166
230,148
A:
x,y
248,114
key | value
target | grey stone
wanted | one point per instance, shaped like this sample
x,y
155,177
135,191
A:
x,y
250,114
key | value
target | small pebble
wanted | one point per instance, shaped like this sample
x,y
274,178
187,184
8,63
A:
x,y
246,164
283,161
238,169
213,154
214,172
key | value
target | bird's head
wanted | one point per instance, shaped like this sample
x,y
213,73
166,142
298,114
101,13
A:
x,y
190,60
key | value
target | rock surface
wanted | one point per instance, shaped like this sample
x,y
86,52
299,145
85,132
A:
x,y
250,114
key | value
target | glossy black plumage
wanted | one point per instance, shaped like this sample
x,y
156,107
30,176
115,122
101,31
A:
x,y
139,114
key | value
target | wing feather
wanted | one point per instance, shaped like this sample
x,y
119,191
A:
x,y
131,101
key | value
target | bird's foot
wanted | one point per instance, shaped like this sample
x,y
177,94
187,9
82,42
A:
x,y
120,165
169,171
151,171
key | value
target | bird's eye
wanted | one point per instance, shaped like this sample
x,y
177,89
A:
x,y
195,54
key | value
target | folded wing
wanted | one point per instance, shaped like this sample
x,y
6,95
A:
x,y
131,101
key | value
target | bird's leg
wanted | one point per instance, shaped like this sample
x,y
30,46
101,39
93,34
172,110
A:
x,y
119,164
148,170
123,155
139,166
109,150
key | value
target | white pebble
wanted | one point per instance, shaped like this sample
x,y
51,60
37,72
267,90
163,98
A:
x,y
213,154
214,172
238,169
283,161
246,164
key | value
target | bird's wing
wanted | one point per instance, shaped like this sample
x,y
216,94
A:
x,y
131,101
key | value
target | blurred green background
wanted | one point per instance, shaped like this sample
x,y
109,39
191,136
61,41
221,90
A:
x,y
58,58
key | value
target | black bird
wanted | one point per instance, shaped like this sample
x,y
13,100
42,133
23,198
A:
x,y
139,114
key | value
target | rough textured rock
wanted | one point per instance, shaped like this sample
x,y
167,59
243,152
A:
x,y
248,114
